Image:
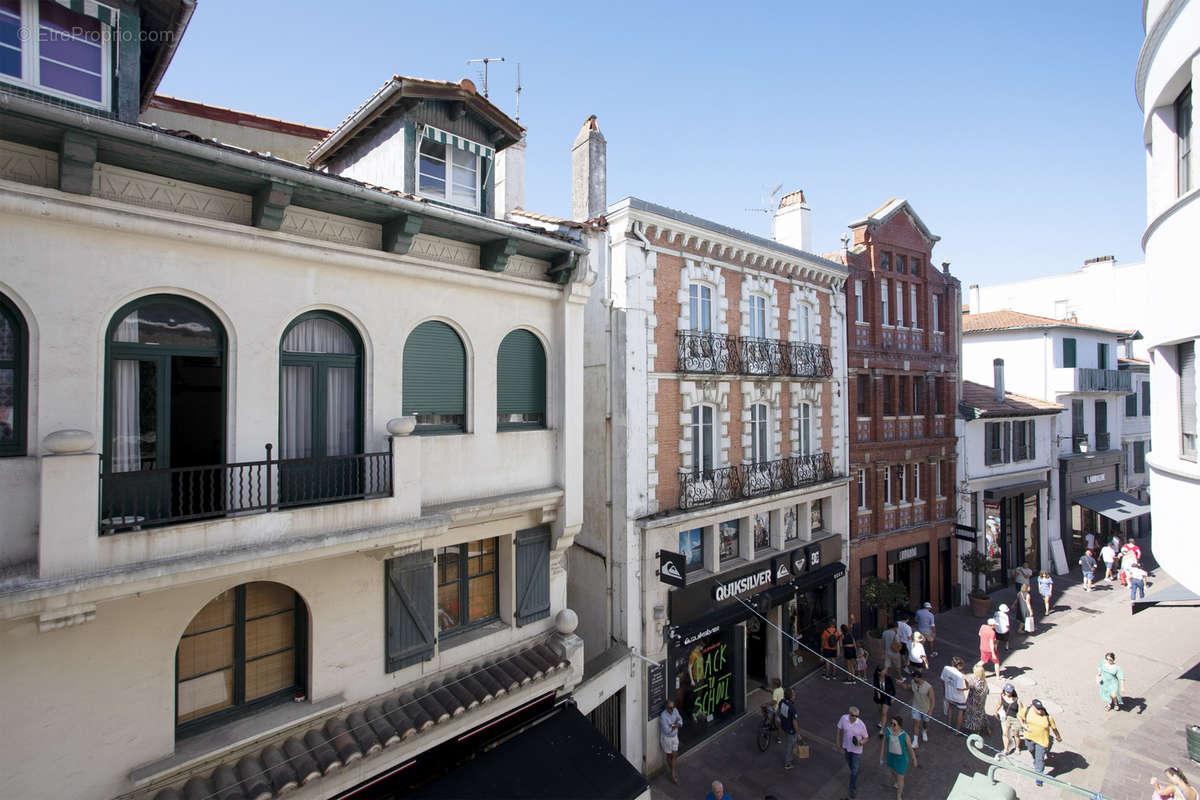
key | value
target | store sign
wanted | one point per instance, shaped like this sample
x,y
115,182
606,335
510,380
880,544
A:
x,y
1097,478
812,556
672,569
906,553
698,635
747,583
656,690
781,570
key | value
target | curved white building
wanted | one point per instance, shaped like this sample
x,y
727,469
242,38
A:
x,y
1166,77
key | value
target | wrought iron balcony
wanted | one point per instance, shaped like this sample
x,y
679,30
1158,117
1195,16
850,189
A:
x,y
711,353
151,497
1102,441
1103,380
699,488
761,356
807,360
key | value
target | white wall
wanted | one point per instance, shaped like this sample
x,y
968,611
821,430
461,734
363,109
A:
x,y
283,145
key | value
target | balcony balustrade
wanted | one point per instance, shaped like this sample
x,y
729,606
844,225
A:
x,y
720,354
1103,380
708,353
762,356
807,360
1102,441
700,488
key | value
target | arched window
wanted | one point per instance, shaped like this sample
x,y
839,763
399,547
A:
x,y
759,451
245,649
14,376
435,378
520,382
320,396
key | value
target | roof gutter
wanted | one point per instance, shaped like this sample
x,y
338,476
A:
x,y
288,173
167,53
351,125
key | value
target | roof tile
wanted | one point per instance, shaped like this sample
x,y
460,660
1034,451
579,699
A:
x,y
982,399
1007,319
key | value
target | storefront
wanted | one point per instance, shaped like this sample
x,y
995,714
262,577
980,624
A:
x,y
1011,534
910,566
718,649
1082,476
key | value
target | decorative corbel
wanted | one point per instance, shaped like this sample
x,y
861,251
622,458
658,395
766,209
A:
x,y
270,204
563,267
399,231
494,255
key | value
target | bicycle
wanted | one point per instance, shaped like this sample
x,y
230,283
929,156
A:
x,y
768,729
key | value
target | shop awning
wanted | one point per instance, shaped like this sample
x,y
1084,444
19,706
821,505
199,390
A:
x,y
1117,506
563,757
1029,487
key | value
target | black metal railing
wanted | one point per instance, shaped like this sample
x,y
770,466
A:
x,y
720,354
807,360
712,353
131,500
699,488
1102,440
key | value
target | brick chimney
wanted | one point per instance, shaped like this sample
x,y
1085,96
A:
x,y
510,179
589,192
998,379
792,224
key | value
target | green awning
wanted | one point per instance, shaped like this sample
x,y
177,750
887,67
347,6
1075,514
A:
x,y
90,8
444,137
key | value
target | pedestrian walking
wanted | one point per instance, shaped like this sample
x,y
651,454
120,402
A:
x,y
1023,575
1045,588
1003,626
896,751
927,627
1137,582
851,735
1177,789
885,690
669,723
1128,559
922,707
849,654
975,719
787,724
718,792
1090,540
1009,711
1087,563
829,649
1025,608
954,698
987,646
1036,727
917,659
891,650
1108,555
1111,679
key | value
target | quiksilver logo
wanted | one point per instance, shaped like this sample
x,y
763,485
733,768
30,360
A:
x,y
725,591
671,571
782,572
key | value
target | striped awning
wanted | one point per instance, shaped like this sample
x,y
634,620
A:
x,y
444,137
90,8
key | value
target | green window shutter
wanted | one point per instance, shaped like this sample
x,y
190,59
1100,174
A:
x,y
435,371
1131,403
1068,352
521,375
533,574
1007,442
408,605
1031,438
1146,398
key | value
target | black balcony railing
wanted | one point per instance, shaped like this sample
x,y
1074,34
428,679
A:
x,y
719,354
807,360
1102,440
131,500
699,488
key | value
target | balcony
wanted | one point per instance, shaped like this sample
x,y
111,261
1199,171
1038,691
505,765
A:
x,y
1087,379
720,354
1102,441
701,488
150,497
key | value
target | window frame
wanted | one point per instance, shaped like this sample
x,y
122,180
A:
x,y
439,428
19,364
859,301
700,302
760,444
804,314
916,487
912,306
887,486
31,60
756,316
804,428
447,196
703,462
884,301
862,490
1183,141
937,314
464,579
902,482
899,304
901,263
320,363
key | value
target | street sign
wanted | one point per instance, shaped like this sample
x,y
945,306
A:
x,y
671,568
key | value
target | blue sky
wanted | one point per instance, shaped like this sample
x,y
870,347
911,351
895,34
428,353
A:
x,y
1012,128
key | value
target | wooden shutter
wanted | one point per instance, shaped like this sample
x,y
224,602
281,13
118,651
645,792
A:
x,y
1006,442
1131,403
1068,352
521,375
1145,398
1031,439
435,371
409,609
533,574
989,432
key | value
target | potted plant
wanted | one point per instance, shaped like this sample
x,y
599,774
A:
x,y
884,597
976,563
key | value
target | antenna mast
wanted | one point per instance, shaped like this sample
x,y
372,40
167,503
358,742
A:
x,y
485,62
518,115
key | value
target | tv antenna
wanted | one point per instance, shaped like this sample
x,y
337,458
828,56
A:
x,y
768,201
517,118
485,62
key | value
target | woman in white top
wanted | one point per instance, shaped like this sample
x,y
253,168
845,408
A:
x,y
917,660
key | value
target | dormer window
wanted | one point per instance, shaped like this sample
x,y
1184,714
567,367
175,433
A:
x,y
450,168
51,49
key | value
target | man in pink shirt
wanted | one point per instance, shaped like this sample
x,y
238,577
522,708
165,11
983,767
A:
x,y
851,735
987,646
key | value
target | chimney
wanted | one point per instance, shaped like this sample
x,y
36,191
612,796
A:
x,y
510,179
998,378
589,193
792,224
973,298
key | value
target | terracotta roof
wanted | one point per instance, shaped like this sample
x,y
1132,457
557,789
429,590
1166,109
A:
x,y
981,400
235,117
1015,320
596,223
1134,361
792,198
388,720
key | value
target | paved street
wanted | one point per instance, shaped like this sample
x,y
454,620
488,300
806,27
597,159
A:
x,y
1114,752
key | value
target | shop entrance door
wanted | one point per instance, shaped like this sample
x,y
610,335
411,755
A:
x,y
756,650
914,575
944,568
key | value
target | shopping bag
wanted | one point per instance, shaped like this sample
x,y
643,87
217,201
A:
x,y
1029,624
801,748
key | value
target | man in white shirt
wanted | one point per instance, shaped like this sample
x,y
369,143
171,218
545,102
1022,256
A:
x,y
927,626
890,654
955,702
669,723
1002,625
904,632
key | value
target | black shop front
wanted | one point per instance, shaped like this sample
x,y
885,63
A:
x,y
717,645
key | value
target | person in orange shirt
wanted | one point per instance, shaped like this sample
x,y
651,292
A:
x,y
830,638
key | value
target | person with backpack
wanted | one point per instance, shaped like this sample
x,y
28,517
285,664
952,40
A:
x,y
829,649
788,726
1036,727
1087,563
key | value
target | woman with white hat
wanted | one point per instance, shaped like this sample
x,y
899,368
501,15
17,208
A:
x,y
1002,626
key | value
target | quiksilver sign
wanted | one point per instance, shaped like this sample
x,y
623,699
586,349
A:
x,y
746,583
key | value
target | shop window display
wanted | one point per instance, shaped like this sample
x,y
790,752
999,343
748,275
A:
x,y
762,531
728,536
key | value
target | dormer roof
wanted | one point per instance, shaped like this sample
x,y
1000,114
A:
x,y
406,92
888,210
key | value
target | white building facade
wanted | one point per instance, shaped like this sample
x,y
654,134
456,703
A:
x,y
1166,76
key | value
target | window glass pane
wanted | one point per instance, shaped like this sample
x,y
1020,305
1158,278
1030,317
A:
x,y
7,404
790,531
296,436
691,545
340,416
432,172
270,634
727,536
205,652
762,530
270,674
482,597
10,37
8,339
265,597
135,415
217,613
319,335
69,38
168,324
71,81
448,565
449,613
204,694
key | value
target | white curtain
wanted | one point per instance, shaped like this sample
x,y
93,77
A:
x,y
126,414
318,335
297,413
339,411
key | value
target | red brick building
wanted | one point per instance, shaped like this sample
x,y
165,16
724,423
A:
x,y
903,344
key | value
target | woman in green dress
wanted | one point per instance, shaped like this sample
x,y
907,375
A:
x,y
1111,678
899,753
